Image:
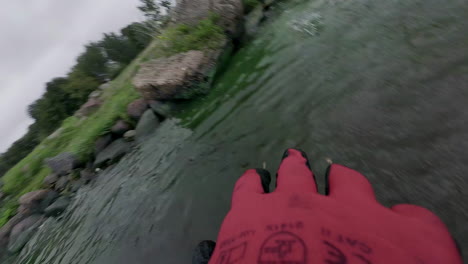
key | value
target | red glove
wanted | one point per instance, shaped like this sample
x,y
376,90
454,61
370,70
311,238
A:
x,y
296,225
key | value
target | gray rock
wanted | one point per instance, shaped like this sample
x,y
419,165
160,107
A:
x,y
38,200
91,106
23,232
62,183
75,186
58,207
253,19
87,175
101,143
129,135
162,110
147,125
176,77
230,11
63,163
113,153
104,86
8,227
120,128
2,195
24,225
51,180
37,204
136,108
95,94
56,133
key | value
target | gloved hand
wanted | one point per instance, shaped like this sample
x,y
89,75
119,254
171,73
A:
x,y
296,225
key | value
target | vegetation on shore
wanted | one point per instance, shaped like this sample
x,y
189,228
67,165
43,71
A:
x,y
79,135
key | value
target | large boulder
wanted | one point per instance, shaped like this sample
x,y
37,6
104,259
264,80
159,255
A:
x,y
58,207
91,106
175,77
36,202
113,153
230,12
63,163
147,124
38,199
136,108
23,232
120,127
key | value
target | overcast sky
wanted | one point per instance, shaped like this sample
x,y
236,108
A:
x,y
39,40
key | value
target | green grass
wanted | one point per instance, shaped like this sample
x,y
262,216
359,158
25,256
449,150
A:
x,y
181,38
78,136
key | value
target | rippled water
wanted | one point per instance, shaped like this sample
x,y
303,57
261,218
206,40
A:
x,y
380,86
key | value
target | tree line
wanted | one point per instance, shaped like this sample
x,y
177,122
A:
x,y
101,61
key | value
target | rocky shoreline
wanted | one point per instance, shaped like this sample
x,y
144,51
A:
x,y
160,82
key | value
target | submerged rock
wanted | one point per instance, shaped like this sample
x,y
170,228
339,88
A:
x,y
61,184
87,175
50,180
58,207
120,128
101,143
162,110
63,163
129,135
36,201
136,108
23,232
253,20
147,124
175,77
113,153
230,12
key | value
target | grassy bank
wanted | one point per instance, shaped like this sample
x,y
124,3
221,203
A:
x,y
78,135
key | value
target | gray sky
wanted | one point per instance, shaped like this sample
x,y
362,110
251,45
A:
x,y
39,40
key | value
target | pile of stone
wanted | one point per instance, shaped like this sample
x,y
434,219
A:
x,y
160,82
69,174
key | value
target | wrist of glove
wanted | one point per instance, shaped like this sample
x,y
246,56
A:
x,y
297,225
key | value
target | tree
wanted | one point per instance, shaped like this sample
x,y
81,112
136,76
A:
x,y
93,62
78,87
53,107
119,48
139,34
18,150
166,4
150,9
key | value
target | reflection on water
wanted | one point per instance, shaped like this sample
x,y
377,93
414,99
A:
x,y
377,85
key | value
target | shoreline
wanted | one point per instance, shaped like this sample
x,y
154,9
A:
x,y
68,171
